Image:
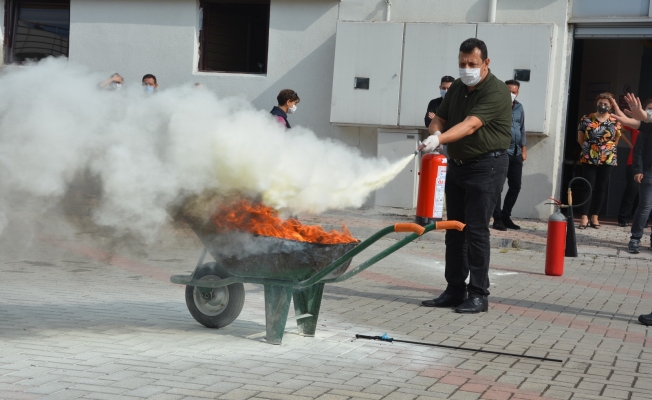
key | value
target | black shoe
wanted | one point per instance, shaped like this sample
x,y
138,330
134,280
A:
x,y
645,319
444,300
473,305
509,224
623,224
634,246
499,225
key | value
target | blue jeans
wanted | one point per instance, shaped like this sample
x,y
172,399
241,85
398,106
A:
x,y
644,206
471,191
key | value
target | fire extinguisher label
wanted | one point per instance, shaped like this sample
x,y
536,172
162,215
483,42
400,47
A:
x,y
439,192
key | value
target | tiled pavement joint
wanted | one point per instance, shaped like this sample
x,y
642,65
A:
x,y
107,324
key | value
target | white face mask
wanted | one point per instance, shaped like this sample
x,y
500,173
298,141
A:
x,y
470,76
116,85
292,109
513,97
442,92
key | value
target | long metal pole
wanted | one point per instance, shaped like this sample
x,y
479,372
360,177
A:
x,y
384,338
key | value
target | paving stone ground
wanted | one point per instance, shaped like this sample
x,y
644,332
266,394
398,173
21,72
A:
x,y
83,316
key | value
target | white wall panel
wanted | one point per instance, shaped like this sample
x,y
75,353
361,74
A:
x,y
395,144
523,46
431,51
368,50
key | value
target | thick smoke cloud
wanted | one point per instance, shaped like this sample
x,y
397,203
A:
x,y
151,151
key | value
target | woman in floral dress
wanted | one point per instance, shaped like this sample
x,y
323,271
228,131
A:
x,y
598,135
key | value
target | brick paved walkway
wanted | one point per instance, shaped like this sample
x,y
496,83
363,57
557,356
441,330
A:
x,y
609,240
83,320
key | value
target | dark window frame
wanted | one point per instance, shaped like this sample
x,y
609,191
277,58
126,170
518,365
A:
x,y
11,14
203,65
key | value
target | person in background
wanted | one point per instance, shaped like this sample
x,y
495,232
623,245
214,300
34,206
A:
x,y
598,135
150,85
113,83
641,119
446,82
517,153
631,187
287,104
476,118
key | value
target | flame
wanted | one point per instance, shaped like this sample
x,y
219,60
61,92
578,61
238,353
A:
x,y
262,220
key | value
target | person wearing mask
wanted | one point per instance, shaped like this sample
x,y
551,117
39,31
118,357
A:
x,y
113,83
630,194
476,118
598,135
517,153
287,104
641,119
150,85
433,105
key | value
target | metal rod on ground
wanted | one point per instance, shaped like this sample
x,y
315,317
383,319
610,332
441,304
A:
x,y
385,338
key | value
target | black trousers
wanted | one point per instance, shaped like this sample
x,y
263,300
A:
x,y
514,175
629,196
598,177
471,191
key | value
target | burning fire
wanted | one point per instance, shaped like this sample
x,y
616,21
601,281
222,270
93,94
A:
x,y
259,219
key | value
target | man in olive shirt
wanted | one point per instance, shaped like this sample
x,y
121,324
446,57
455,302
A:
x,y
476,118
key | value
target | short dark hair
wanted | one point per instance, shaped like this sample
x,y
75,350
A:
x,y
470,44
447,78
147,76
513,82
285,95
647,102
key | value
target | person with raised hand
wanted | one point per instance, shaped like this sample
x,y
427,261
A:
x,y
598,136
642,164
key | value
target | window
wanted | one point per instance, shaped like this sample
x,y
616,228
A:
x,y
234,35
36,29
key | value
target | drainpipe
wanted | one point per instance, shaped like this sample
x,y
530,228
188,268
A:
x,y
389,10
492,10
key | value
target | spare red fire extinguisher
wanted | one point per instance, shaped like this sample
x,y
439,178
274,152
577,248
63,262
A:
x,y
432,180
556,243
561,232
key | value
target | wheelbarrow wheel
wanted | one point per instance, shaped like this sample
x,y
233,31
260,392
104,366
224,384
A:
x,y
224,304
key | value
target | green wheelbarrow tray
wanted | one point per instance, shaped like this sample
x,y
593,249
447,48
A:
x,y
287,269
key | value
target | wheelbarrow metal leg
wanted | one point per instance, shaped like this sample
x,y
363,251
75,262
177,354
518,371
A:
x,y
277,305
308,301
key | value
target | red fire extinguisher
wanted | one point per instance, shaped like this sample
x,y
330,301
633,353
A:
x,y
432,180
556,243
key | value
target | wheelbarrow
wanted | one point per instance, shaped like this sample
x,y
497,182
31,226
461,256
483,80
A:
x,y
287,269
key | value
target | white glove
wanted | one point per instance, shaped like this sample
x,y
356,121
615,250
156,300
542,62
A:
x,y
431,142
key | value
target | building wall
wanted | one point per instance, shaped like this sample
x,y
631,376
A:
x,y
134,37
543,167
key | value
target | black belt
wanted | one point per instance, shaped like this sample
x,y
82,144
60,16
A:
x,y
480,157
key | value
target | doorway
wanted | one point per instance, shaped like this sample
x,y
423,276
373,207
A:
x,y
615,65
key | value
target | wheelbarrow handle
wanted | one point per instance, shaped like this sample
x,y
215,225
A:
x,y
406,227
409,227
450,225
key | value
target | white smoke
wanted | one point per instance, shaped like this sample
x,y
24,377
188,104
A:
x,y
150,151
